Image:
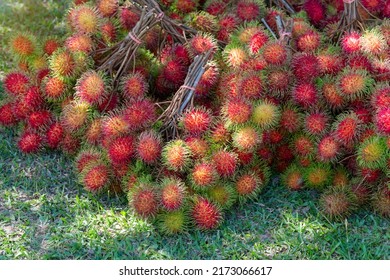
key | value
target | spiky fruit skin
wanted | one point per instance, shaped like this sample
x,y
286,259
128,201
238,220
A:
x,y
332,95
318,176
7,117
143,199
16,83
222,194
196,121
328,149
305,67
203,175
134,86
62,63
54,88
85,19
257,41
265,115
350,42
292,178
354,84
248,186
278,81
248,10
107,7
316,124
225,163
176,155
347,128
309,42
95,177
381,97
251,85
275,53
315,11
303,146
305,95
121,150
39,119
22,45
79,43
87,158
205,215
198,147
91,88
30,142
149,147
338,202
173,222
372,42
290,119
382,121
50,46
172,194
140,114
372,153
236,111
381,201
245,139
201,43
75,115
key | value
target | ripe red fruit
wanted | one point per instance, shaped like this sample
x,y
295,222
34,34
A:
x,y
291,119
54,135
30,142
205,214
203,175
248,10
95,177
144,201
309,42
172,194
305,67
128,18
382,120
140,114
237,111
176,155
7,117
91,88
316,123
350,42
149,147
50,46
33,98
39,119
275,53
250,85
134,86
121,150
315,10
54,88
347,128
86,158
305,95
328,149
198,147
225,163
257,41
16,83
196,121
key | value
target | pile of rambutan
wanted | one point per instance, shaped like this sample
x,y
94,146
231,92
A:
x,y
270,102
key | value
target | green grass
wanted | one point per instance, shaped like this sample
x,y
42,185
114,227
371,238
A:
x,y
45,214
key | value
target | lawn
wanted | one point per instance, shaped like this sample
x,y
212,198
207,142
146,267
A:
x,y
45,214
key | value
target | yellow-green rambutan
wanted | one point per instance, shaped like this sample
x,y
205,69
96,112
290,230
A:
x,y
292,178
245,138
373,153
341,177
372,42
380,201
223,194
318,176
23,45
235,55
354,83
173,222
75,116
265,114
62,63
85,19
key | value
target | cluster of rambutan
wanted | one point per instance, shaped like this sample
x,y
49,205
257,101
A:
x,y
317,113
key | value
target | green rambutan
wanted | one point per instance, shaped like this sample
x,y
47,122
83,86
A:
x,y
143,199
292,178
225,163
176,155
149,147
85,19
245,138
373,153
202,21
338,202
235,55
318,175
173,222
91,87
372,42
204,214
203,175
173,194
265,114
223,194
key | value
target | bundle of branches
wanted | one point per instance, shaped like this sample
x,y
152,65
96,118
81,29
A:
x,y
184,98
283,5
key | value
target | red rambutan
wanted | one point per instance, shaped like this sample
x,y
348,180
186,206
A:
x,y
144,200
236,111
121,150
275,53
245,139
305,67
347,128
7,117
328,149
79,43
315,10
309,42
196,120
382,121
176,155
316,123
250,85
30,142
173,194
225,163
16,83
140,114
39,119
248,10
149,147
205,214
54,135
134,86
91,87
305,95
203,175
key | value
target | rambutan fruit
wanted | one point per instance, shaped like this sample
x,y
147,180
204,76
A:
x,y
196,121
121,150
369,175
37,63
79,43
176,155
87,158
244,157
291,118
303,146
95,176
39,119
7,117
23,45
265,154
249,10
372,153
208,80
350,42
318,175
309,42
330,63
16,83
362,192
202,21
381,96
107,7
201,43
33,98
328,149
359,61
381,201
347,128
338,202
382,121
109,32
248,186
228,23
236,111
41,75
300,27
250,85
257,41
340,177
70,144
305,95
174,71
30,142
186,6
143,199
278,81
265,114
198,147
54,88
54,135
75,115
140,113
149,147
275,53
245,138
173,194
219,133
93,133
292,178
305,67
225,163
223,194
91,87
173,222
316,123
315,10
84,19
354,83
50,46
21,109
134,86
235,55
205,214
203,175
372,42
128,17
62,63
331,93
